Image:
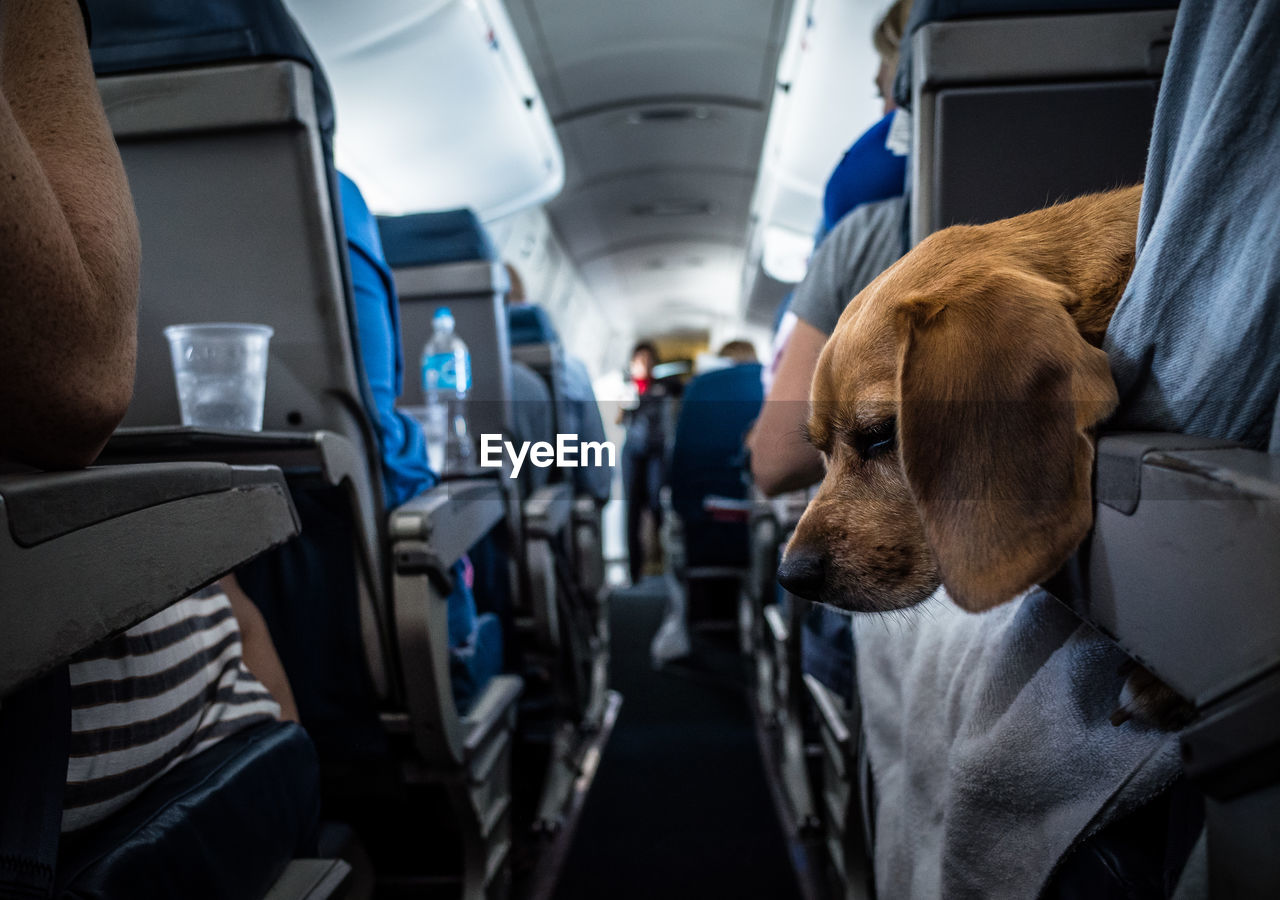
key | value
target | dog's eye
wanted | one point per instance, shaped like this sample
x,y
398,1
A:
x,y
877,440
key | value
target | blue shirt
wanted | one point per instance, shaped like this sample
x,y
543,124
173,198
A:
x,y
583,414
405,472
868,172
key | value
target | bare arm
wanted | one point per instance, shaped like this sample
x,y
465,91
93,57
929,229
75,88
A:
x,y
781,459
257,648
69,253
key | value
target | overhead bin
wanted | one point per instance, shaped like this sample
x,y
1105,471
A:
x,y
490,146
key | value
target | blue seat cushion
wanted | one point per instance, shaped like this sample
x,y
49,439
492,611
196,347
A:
x,y
138,35
529,323
708,458
473,664
431,239
220,826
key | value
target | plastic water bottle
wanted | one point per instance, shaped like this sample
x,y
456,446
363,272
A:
x,y
446,380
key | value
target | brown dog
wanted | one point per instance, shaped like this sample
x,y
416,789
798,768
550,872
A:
x,y
955,405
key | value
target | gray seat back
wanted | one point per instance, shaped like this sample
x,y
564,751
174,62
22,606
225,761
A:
x,y
233,198
548,361
1013,114
474,291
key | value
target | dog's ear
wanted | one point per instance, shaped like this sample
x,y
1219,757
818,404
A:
x,y
998,395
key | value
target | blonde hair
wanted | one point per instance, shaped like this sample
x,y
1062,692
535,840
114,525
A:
x,y
890,31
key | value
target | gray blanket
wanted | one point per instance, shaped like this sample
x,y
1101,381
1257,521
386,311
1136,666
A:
x,y
991,747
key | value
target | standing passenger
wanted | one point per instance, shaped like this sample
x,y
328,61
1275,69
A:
x,y
643,454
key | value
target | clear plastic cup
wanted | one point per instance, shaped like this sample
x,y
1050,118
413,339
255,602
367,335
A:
x,y
221,370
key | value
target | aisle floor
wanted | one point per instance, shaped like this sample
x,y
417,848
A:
x,y
680,807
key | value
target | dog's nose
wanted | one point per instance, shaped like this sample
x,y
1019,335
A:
x,y
802,574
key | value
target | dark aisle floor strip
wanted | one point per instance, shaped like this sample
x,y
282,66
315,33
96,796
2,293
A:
x,y
680,807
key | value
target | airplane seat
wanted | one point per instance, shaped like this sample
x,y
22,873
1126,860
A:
x,y
448,259
1075,81
193,815
229,162
706,531
204,518
528,323
536,343
790,712
475,639
707,457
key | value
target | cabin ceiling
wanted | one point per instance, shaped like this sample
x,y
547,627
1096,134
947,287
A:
x,y
660,107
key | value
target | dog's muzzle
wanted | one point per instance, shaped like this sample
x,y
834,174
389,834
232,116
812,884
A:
x,y
803,574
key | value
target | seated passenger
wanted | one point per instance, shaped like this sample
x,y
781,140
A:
x,y
739,352
875,167
582,412
177,683
864,242
531,403
866,222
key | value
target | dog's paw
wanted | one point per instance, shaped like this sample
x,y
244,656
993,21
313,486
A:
x,y
1149,701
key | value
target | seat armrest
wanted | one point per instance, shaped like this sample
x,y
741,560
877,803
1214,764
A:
x,y
491,711
86,554
311,879
1186,581
334,458
776,623
429,534
547,511
586,508
1182,571
327,452
447,520
833,718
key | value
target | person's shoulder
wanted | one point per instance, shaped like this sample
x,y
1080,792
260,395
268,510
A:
x,y
869,218
527,384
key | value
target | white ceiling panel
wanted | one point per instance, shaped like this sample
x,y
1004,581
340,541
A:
x,y
661,107
592,53
615,214
662,136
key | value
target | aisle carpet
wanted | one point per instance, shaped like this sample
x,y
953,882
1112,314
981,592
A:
x,y
680,807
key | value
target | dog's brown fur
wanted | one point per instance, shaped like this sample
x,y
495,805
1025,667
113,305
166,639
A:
x,y
983,343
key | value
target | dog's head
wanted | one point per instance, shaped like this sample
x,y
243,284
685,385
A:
x,y
954,406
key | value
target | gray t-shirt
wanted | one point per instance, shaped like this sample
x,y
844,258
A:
x,y
861,246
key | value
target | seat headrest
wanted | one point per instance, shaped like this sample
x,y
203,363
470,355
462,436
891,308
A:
x,y
529,323
431,239
739,383
925,11
139,35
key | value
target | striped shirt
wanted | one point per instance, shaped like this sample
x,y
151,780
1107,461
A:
x,y
145,700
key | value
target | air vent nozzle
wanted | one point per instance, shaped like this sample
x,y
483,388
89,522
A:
x,y
665,209
668,115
